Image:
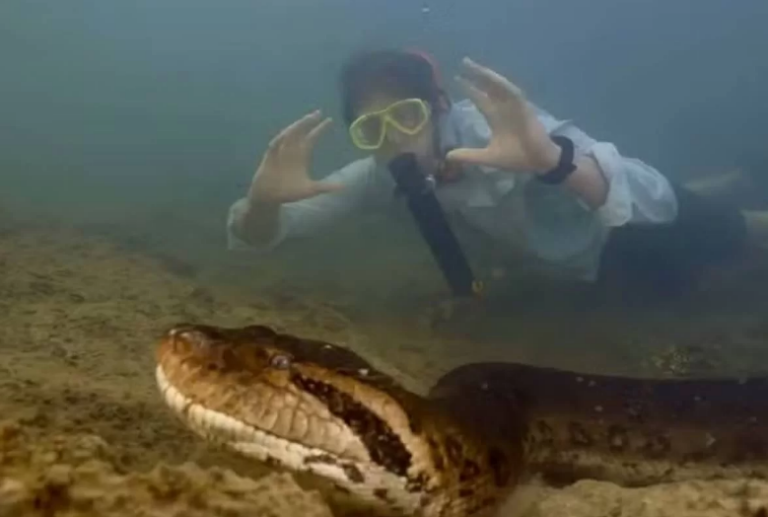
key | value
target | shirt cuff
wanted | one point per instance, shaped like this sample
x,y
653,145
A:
x,y
636,191
235,243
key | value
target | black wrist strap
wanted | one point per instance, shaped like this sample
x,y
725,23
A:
x,y
565,165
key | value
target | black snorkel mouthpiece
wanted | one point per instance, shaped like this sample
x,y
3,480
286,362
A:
x,y
418,190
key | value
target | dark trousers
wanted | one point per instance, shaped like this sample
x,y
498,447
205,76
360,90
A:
x,y
649,263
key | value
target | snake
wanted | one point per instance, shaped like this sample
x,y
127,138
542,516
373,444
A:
x,y
465,445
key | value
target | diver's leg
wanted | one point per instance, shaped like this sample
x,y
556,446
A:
x,y
728,187
724,186
648,263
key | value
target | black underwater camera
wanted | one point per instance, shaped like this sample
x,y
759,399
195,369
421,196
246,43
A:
x,y
418,190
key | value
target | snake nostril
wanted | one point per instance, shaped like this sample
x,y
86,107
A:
x,y
281,362
178,330
189,336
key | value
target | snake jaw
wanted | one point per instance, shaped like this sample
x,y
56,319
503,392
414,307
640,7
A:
x,y
370,485
235,375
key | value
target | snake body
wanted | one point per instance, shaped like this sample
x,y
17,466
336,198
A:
x,y
312,406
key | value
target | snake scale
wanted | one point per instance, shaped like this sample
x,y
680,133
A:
x,y
311,406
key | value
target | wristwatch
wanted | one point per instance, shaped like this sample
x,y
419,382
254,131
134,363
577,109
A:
x,y
565,165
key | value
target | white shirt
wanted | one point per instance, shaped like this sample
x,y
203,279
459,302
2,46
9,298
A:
x,y
547,225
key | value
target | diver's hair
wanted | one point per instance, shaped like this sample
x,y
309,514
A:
x,y
400,73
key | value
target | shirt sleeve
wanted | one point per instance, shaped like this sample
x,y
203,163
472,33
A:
x,y
362,187
637,192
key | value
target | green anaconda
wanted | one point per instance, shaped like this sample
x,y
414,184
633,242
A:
x,y
311,406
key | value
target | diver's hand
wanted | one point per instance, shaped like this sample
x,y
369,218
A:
x,y
519,141
283,174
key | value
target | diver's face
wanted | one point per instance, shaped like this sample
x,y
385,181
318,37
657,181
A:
x,y
396,142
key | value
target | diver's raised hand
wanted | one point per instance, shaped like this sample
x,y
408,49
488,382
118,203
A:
x,y
519,142
283,174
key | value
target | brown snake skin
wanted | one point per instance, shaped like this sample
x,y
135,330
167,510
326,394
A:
x,y
316,407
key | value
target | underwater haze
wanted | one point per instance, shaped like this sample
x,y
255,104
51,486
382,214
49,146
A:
x,y
143,121
146,104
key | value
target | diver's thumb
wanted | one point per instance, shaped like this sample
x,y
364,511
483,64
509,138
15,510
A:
x,y
468,156
325,188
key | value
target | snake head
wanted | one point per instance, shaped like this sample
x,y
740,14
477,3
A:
x,y
253,348
252,385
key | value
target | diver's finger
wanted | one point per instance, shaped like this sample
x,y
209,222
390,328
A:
x,y
489,80
268,165
303,126
289,133
274,144
477,95
271,154
316,132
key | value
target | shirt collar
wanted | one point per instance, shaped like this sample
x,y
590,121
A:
x,y
448,130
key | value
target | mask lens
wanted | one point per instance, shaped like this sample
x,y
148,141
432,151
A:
x,y
409,115
367,131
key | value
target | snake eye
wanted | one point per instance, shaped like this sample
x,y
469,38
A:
x,y
281,362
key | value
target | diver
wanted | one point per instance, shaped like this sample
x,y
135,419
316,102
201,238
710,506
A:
x,y
538,186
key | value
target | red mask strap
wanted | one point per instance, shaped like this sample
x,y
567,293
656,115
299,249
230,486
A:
x,y
436,77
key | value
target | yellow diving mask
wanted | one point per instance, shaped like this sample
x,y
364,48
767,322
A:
x,y
408,116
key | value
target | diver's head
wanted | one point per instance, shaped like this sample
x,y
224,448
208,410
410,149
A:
x,y
390,99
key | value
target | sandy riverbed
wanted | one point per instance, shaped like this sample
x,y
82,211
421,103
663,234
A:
x,y
84,432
